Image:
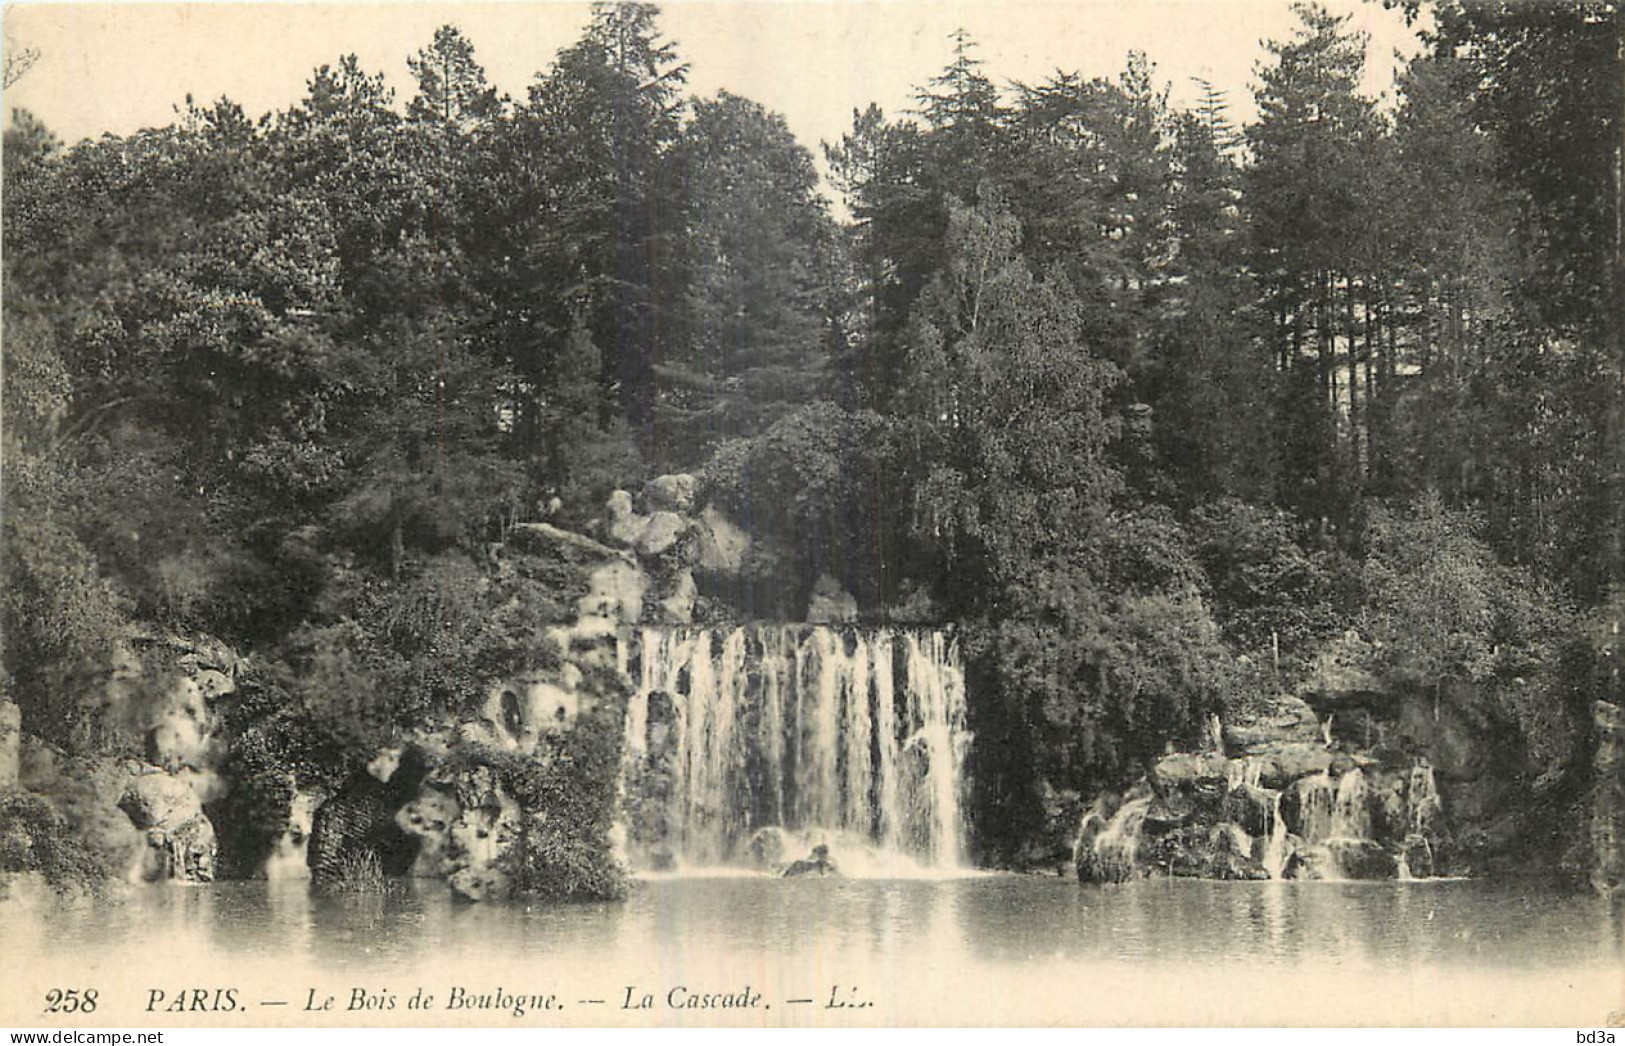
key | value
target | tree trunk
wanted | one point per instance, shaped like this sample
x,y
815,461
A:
x,y
1354,376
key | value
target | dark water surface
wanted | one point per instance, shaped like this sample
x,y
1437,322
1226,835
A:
x,y
988,949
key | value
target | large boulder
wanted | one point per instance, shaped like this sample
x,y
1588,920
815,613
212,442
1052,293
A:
x,y
1190,787
155,798
671,493
831,603
480,840
661,534
1250,808
1310,861
1187,767
1362,859
615,592
428,817
1420,857
180,839
677,605
625,525
721,546
1198,851
1282,720
1233,855
1282,764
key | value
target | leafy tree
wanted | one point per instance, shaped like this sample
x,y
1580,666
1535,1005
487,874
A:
x,y
1006,412
753,334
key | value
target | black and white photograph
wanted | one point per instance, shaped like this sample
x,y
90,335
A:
x,y
831,514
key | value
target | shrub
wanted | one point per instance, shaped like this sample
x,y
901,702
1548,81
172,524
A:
x,y
34,838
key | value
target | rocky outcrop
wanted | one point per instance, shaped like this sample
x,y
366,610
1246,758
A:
x,y
145,818
1280,801
466,827
674,493
519,713
1268,725
721,547
450,810
817,863
831,603
180,839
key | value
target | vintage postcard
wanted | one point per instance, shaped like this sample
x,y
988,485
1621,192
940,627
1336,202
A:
x,y
831,514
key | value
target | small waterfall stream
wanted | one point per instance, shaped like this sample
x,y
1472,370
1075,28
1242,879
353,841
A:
x,y
763,740
1364,823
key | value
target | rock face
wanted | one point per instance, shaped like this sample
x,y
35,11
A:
x,y
519,713
673,493
289,858
448,805
722,547
1280,802
677,606
180,839
831,603
466,827
1283,721
145,817
661,534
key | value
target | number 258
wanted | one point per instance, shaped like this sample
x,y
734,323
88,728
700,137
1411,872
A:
x,y
70,1000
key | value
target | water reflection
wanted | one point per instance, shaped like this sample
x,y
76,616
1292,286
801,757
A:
x,y
1029,943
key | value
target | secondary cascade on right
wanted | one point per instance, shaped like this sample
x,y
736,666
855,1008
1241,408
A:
x,y
1283,793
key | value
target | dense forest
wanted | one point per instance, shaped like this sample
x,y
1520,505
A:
x,y
1161,413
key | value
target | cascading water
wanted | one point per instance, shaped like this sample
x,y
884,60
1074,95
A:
x,y
1350,817
1422,798
854,739
1275,855
1317,801
1117,846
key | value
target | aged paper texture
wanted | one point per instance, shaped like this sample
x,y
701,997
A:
x,y
820,852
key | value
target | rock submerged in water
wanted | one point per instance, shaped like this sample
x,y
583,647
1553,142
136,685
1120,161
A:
x,y
1310,863
1362,859
816,863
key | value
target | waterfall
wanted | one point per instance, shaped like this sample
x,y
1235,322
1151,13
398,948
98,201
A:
x,y
1275,851
1350,817
1245,772
1118,844
851,738
1422,798
1317,801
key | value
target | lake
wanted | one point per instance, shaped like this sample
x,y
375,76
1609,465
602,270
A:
x,y
984,949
